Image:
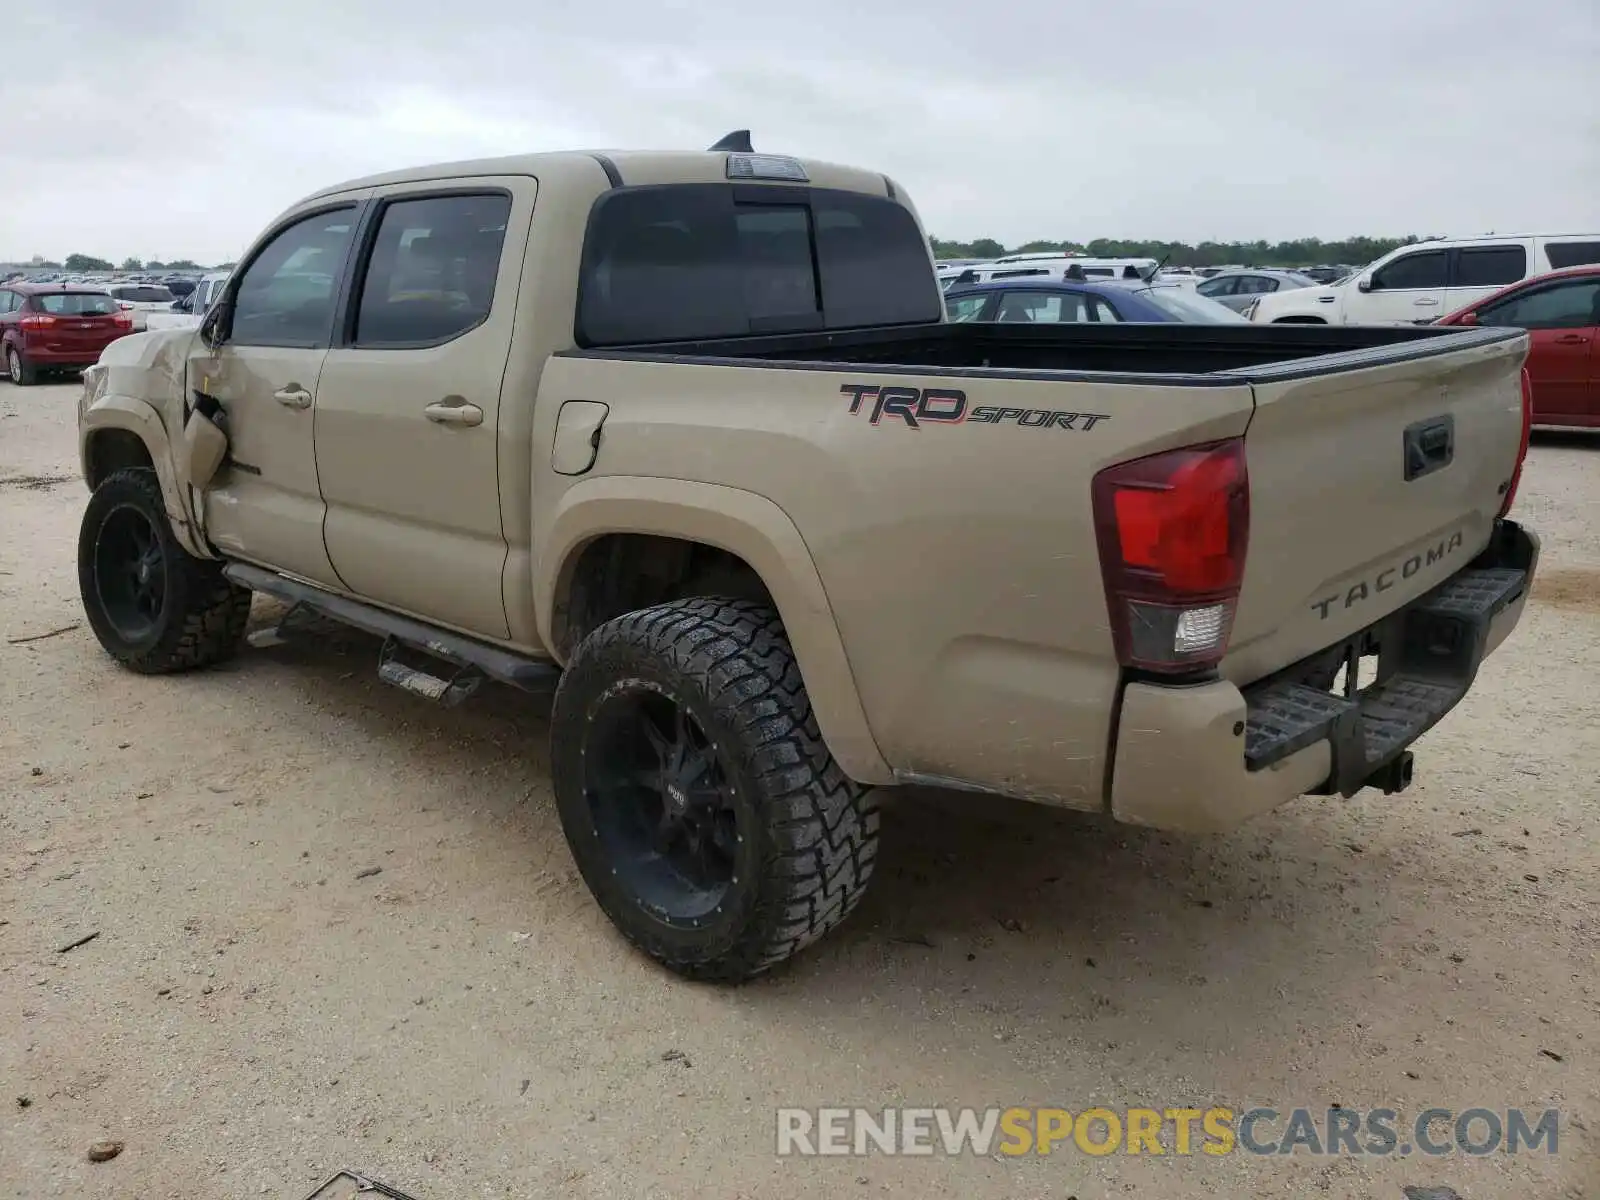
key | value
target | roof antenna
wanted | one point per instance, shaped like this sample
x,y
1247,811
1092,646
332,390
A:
x,y
737,142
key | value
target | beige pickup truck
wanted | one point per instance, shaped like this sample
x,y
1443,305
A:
x,y
685,438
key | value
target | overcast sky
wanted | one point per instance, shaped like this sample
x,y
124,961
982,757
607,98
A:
x,y
177,128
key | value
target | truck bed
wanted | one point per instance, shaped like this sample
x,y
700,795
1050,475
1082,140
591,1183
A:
x,y
1168,353
984,544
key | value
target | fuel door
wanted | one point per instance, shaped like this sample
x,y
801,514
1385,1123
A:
x,y
577,440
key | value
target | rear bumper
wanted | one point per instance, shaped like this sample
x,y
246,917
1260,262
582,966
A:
x,y
63,357
1209,756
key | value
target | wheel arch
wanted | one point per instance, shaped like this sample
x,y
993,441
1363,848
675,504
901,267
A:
x,y
120,431
732,529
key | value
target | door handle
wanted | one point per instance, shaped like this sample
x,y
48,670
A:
x,y
1571,339
1429,446
457,413
293,396
1426,302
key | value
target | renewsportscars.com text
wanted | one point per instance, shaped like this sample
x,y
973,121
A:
x,y
1215,1131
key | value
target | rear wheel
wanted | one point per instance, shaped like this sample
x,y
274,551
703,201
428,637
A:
x,y
20,370
702,807
154,607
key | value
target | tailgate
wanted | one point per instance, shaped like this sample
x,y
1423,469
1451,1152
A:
x,y
1374,476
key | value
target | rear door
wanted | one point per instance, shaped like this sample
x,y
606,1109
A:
x,y
1374,476
408,408
1563,320
1407,290
1479,271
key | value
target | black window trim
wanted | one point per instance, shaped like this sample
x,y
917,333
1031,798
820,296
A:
x,y
742,193
341,279
348,297
1453,277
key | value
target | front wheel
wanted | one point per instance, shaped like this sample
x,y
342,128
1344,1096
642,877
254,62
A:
x,y
701,805
153,606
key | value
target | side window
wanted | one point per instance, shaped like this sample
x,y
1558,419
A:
x,y
1099,309
285,296
1043,308
8,302
431,273
1572,254
1490,266
1218,287
1253,285
1424,269
966,308
1574,305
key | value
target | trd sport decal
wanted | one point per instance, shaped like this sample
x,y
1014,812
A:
x,y
948,406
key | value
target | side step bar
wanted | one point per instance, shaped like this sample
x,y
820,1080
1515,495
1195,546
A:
x,y
467,654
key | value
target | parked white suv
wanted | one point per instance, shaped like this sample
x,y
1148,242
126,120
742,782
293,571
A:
x,y
1421,282
187,312
139,300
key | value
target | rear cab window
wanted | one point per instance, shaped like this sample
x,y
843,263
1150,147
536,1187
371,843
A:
x,y
678,262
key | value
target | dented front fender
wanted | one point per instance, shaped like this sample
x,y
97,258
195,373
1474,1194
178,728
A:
x,y
137,389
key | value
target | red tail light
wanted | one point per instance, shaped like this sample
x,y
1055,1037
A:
x,y
1173,529
1522,450
124,306
37,321
123,322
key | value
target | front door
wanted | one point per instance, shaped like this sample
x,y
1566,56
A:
x,y
265,505
1563,321
408,405
1407,290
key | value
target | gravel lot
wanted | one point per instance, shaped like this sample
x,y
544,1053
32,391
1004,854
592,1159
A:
x,y
259,1010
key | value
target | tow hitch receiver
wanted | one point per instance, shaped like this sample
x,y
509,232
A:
x,y
1395,776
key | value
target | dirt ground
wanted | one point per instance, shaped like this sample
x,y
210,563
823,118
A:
x,y
259,1010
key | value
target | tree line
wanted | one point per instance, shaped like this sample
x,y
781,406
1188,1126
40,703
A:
x,y
88,262
1303,252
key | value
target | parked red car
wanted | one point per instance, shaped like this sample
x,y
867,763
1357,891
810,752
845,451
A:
x,y
56,327
1561,312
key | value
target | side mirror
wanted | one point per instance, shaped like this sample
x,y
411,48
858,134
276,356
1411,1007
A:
x,y
1467,318
214,328
1364,285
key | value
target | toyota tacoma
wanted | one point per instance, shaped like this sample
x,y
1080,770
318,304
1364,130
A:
x,y
686,439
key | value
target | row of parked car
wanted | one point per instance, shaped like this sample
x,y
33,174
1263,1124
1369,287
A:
x,y
1546,284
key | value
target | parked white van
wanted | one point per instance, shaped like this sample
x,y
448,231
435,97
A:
x,y
1421,282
